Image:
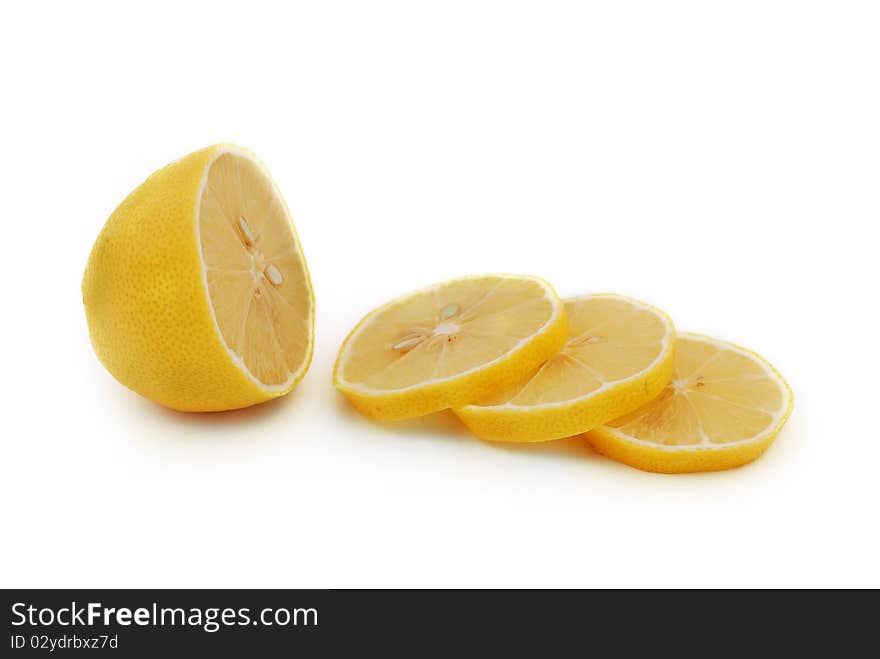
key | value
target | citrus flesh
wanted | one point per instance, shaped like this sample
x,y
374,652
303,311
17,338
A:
x,y
256,277
197,294
723,407
449,344
618,355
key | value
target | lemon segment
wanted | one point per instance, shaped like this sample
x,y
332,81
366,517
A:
x,y
196,292
618,355
449,344
722,409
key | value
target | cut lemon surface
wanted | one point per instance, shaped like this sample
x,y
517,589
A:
x,y
618,356
449,344
723,407
197,293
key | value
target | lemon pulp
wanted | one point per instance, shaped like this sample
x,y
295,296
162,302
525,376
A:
x,y
718,395
610,339
254,272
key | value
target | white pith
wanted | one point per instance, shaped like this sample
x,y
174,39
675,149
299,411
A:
x,y
235,357
664,349
557,307
772,427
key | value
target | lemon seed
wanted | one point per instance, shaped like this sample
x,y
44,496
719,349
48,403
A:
x,y
273,274
448,311
246,232
408,344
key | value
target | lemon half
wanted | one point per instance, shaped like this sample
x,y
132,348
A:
x,y
197,294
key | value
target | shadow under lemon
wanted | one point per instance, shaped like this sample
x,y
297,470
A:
x,y
246,416
446,425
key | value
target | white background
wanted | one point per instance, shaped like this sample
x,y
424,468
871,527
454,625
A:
x,y
720,160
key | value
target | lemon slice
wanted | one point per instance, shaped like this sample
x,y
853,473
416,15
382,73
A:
x,y
617,357
723,408
197,293
448,344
